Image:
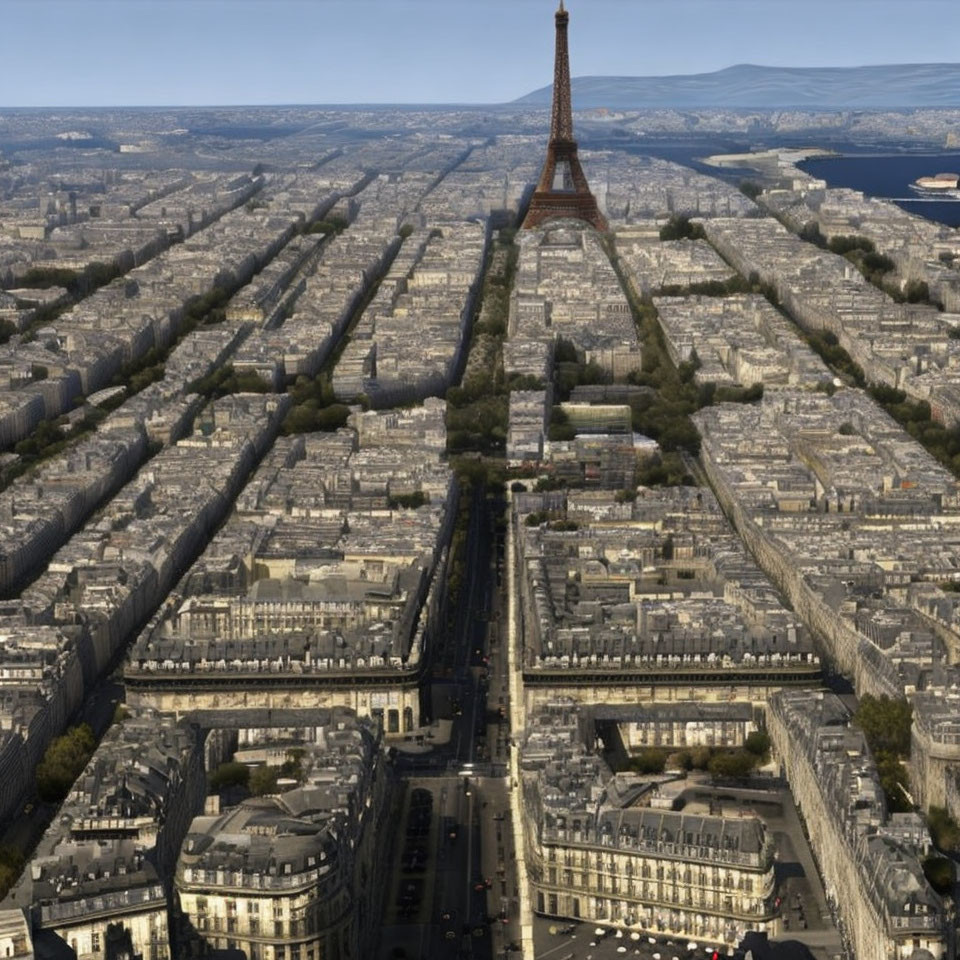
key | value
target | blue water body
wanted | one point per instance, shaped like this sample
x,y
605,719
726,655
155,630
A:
x,y
890,177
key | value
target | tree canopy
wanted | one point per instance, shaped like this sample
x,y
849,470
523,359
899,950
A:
x,y
63,762
885,723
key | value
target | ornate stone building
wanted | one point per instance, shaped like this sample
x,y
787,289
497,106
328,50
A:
x,y
598,850
870,864
293,876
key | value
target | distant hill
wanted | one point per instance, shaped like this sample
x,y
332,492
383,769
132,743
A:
x,y
747,85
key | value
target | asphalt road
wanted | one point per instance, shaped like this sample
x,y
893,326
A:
x,y
448,888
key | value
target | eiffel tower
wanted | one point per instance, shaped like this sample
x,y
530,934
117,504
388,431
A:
x,y
562,190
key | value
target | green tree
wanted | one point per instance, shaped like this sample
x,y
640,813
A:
x,y
564,351
758,743
679,227
680,435
877,263
42,278
939,873
850,244
11,866
917,291
751,394
944,829
894,780
408,501
667,470
560,426
700,757
263,780
63,762
735,764
811,233
229,774
648,760
885,723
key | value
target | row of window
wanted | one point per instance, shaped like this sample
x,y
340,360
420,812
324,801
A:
x,y
744,884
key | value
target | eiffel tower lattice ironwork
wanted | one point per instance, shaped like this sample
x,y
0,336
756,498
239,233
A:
x,y
562,190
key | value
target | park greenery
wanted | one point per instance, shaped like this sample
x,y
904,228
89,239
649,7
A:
x,y
63,762
538,517
560,427
263,780
12,863
735,284
49,438
475,474
329,224
228,775
259,780
680,227
477,410
915,416
477,419
225,380
825,344
720,762
941,442
885,723
875,267
139,374
944,829
201,310
77,283
315,406
662,412
408,501
939,873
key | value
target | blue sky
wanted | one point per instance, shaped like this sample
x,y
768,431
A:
x,y
147,52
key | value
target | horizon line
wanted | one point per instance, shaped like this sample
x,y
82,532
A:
x,y
473,104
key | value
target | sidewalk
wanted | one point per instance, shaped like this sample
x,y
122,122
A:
x,y
517,721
